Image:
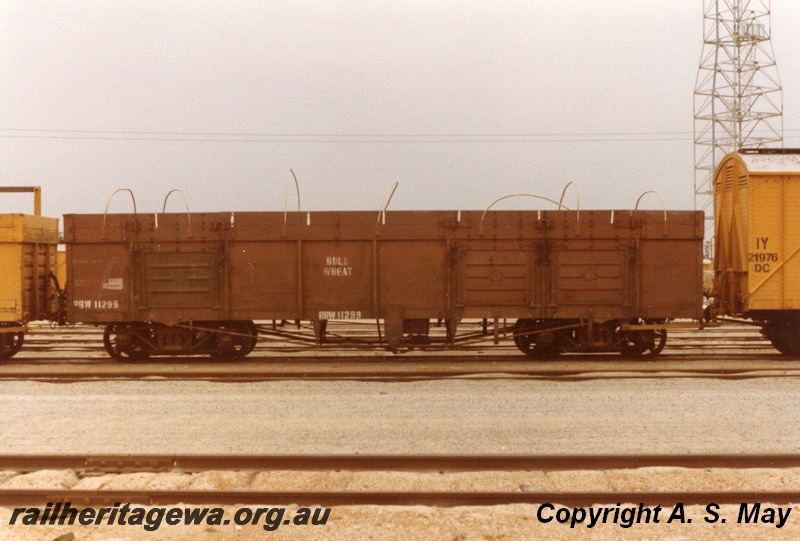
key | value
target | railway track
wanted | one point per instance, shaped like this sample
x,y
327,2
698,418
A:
x,y
87,466
94,464
384,375
430,498
43,340
727,352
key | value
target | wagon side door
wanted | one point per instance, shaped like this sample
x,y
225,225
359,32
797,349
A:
x,y
493,279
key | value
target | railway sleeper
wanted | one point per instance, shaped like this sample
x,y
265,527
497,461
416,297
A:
x,y
135,341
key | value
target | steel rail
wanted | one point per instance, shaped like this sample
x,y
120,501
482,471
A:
x,y
488,353
439,463
408,463
94,498
385,376
492,354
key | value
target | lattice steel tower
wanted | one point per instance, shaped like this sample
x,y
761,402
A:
x,y
737,97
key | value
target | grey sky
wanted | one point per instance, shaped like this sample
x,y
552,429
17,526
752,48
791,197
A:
x,y
458,101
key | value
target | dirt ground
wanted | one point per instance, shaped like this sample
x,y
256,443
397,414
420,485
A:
x,y
626,416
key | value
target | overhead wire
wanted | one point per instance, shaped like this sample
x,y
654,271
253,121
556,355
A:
x,y
349,138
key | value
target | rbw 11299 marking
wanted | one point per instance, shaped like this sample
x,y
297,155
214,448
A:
x,y
340,314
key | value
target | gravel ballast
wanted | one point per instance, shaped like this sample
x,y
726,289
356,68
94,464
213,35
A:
x,y
627,416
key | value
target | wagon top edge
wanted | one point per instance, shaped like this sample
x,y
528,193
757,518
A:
x,y
405,216
16,228
764,162
392,225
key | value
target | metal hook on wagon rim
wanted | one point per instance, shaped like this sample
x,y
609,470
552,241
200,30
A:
x,y
560,205
383,207
286,195
105,213
186,204
663,206
577,202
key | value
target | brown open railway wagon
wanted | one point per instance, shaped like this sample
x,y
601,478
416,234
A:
x,y
757,237
28,291
570,280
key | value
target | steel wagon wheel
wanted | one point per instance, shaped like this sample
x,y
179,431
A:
x,y
529,342
236,339
121,343
10,344
644,343
784,334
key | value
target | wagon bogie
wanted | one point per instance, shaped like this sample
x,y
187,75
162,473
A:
x,y
135,341
783,331
128,341
11,343
548,337
643,343
232,339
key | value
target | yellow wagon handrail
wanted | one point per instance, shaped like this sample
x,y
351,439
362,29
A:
x,y
37,195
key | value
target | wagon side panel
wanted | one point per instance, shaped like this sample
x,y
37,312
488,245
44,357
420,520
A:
x,y
264,280
181,286
773,263
412,278
669,265
791,242
338,279
670,277
494,278
101,285
591,279
11,307
38,295
27,257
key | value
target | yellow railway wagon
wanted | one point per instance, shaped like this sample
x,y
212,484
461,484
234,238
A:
x,y
757,239
28,245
